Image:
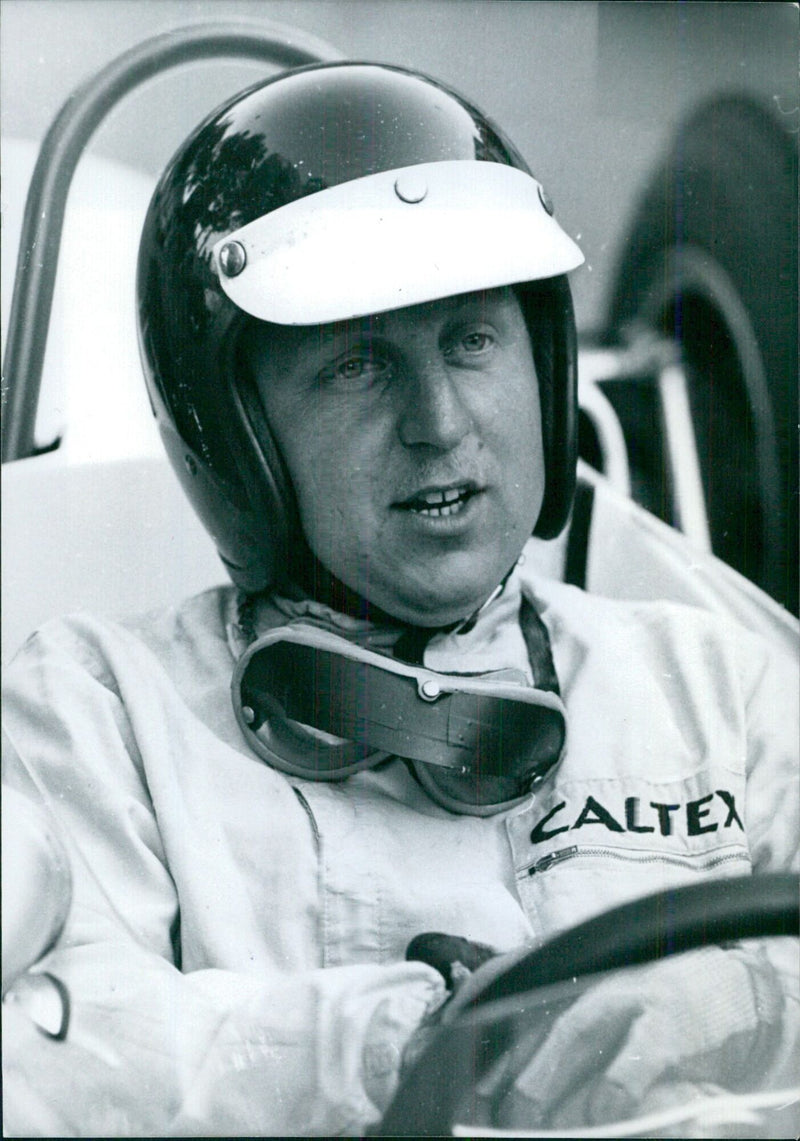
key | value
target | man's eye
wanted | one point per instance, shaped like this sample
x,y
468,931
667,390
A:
x,y
476,342
471,346
352,369
362,367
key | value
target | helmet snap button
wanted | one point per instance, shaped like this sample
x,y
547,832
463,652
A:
x,y
429,689
232,259
248,714
410,187
546,200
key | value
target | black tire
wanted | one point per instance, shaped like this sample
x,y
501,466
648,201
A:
x,y
711,261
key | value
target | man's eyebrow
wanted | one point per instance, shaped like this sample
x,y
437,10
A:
x,y
352,327
481,299
500,294
331,339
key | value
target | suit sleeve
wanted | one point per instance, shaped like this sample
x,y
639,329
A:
x,y
152,1050
772,817
771,691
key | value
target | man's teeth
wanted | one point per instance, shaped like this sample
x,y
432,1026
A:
x,y
440,502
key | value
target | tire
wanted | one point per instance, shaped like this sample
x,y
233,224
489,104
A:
x,y
711,261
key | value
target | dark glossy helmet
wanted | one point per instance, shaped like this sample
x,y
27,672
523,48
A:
x,y
330,192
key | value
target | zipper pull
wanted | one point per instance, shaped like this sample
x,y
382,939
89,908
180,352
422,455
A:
x,y
554,858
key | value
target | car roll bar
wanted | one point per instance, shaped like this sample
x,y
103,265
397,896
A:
x,y
282,46
62,147
648,360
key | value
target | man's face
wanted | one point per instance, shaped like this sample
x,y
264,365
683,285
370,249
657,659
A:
x,y
413,441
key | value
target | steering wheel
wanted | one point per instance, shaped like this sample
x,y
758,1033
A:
x,y
648,929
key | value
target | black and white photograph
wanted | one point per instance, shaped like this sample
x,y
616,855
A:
x,y
400,641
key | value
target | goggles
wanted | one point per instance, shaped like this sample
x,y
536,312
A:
x,y
315,706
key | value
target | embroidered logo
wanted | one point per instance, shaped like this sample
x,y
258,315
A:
x,y
707,814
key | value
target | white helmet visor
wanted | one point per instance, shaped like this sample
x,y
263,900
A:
x,y
393,239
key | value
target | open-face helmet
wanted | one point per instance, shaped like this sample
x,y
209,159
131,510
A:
x,y
330,192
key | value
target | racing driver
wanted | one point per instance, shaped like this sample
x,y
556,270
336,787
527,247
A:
x,y
359,345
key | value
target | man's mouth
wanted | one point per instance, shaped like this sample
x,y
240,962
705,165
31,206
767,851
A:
x,y
439,502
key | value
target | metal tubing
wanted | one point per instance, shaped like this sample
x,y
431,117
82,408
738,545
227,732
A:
x,y
610,437
688,495
61,149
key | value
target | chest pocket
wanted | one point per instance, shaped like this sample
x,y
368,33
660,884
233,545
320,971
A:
x,y
590,845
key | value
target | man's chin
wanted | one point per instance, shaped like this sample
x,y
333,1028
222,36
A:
x,y
436,608
427,592
412,603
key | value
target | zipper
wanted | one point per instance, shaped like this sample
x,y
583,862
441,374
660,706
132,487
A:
x,y
635,856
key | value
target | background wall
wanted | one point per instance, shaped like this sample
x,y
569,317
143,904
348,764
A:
x,y
590,92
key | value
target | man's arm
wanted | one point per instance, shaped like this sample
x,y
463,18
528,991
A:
x,y
723,1018
152,1051
149,1048
771,691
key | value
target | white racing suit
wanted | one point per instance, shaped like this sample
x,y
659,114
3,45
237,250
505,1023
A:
x,y
235,951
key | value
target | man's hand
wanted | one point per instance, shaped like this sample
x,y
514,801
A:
x,y
640,1040
453,957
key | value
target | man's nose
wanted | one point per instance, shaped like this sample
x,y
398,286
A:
x,y
434,411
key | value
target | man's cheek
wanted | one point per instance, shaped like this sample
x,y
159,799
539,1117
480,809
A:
x,y
320,518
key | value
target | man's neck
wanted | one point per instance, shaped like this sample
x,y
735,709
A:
x,y
315,581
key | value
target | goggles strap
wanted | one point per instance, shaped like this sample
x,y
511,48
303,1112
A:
x,y
482,791
537,641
